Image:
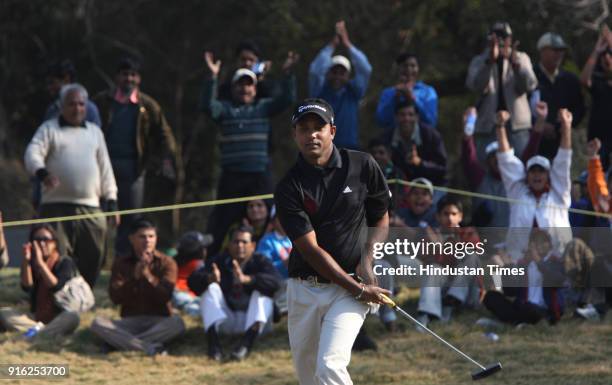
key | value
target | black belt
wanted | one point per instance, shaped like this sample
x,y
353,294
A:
x,y
312,278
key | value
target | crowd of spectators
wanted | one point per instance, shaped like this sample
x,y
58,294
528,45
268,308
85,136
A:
x,y
91,155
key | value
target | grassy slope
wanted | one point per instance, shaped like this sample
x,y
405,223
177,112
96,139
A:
x,y
570,353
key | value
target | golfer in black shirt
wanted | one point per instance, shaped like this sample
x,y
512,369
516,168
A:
x,y
325,204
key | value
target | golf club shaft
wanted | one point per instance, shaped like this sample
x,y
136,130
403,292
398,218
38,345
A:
x,y
399,310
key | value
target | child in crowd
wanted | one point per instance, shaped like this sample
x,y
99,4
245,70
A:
x,y
440,294
192,252
276,246
257,216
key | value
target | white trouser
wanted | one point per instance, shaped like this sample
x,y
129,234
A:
x,y
461,287
323,322
216,312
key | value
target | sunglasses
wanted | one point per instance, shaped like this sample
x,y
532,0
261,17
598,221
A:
x,y
43,239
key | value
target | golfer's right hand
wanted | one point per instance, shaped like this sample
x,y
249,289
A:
x,y
371,294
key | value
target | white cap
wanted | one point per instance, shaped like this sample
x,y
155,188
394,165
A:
x,y
538,160
491,147
340,60
423,181
551,40
244,72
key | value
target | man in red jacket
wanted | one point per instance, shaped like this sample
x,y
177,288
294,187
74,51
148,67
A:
x,y
142,283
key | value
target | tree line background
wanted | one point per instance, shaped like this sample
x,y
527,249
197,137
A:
x,y
170,37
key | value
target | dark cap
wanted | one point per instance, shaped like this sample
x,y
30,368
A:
x,y
501,29
313,106
192,241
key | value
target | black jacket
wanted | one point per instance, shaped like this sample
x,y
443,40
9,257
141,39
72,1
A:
x,y
432,153
266,279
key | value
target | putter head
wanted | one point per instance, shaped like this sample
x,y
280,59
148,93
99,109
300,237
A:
x,y
487,371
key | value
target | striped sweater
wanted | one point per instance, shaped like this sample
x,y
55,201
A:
x,y
245,128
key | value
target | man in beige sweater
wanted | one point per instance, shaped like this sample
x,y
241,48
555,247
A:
x,y
69,156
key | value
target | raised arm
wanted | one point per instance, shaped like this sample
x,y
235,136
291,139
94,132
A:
x,y
472,168
363,70
596,180
560,181
511,168
318,69
208,97
603,42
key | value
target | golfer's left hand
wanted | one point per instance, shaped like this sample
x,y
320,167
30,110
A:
x,y
372,294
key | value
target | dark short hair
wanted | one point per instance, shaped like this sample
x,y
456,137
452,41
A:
x,y
42,226
449,200
405,104
141,223
61,69
402,57
127,63
248,45
242,229
376,142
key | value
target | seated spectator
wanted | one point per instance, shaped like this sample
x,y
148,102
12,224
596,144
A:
x,y
540,192
329,78
191,254
381,152
596,76
558,89
501,76
43,273
536,293
440,295
276,246
255,215
409,87
245,128
418,150
141,283
4,255
237,288
421,211
589,277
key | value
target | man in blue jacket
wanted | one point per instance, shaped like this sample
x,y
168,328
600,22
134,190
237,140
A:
x,y
238,289
329,78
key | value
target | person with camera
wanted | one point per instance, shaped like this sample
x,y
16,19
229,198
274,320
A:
x,y
502,77
44,272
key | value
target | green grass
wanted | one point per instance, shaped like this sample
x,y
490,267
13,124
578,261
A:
x,y
572,352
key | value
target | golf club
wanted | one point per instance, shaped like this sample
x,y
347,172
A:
x,y
484,372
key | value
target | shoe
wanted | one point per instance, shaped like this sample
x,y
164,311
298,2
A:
x,y
157,350
423,318
364,342
447,312
488,323
390,326
240,353
588,312
107,348
214,346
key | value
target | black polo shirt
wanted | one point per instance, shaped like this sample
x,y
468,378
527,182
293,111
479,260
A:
x,y
337,201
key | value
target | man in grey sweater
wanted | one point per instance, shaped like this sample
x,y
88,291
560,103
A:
x,y
69,156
